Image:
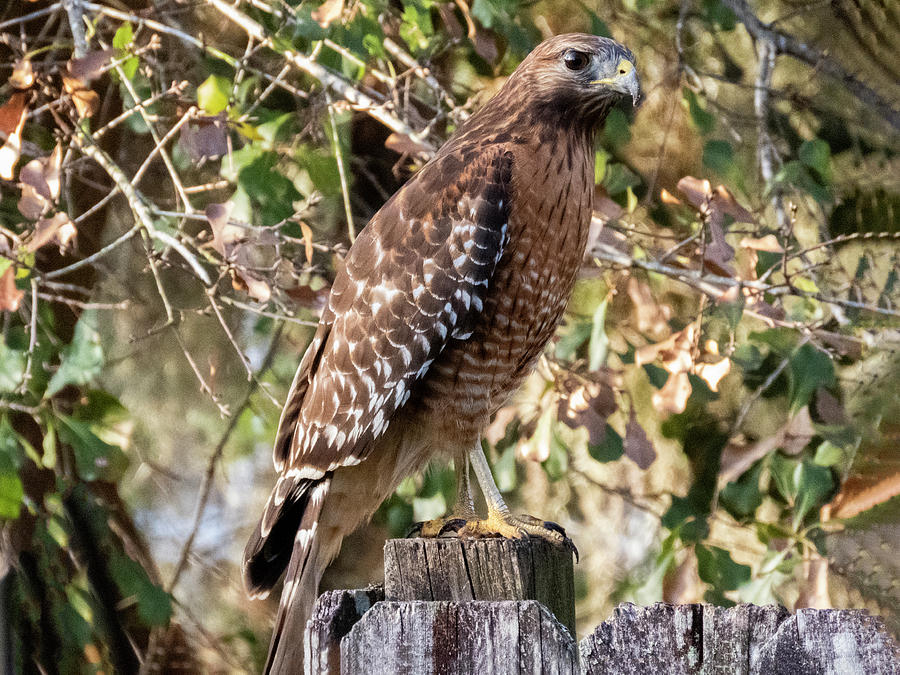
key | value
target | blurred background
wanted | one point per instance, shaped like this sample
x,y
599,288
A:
x,y
716,420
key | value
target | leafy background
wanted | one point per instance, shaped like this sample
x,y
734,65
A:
x,y
716,419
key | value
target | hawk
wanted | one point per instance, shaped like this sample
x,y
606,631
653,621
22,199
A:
x,y
445,301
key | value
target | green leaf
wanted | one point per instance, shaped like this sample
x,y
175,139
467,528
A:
x,y
123,37
11,494
814,485
82,359
716,567
12,368
782,470
809,369
828,454
742,497
719,156
619,178
616,131
557,463
154,604
797,174
599,343
780,340
94,458
719,15
504,470
703,120
598,25
816,154
610,449
748,357
122,41
576,335
213,94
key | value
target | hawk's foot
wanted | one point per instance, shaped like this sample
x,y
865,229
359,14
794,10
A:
x,y
437,527
516,527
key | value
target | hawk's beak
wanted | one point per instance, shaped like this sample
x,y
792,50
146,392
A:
x,y
625,81
633,84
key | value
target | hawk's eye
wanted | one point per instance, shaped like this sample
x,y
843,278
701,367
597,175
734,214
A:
x,y
576,60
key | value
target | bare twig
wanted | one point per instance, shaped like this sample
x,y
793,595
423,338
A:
x,y
334,82
787,44
342,172
75,12
767,155
213,462
714,285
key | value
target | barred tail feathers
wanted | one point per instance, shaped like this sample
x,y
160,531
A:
x,y
287,538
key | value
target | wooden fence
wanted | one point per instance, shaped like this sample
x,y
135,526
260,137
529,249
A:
x,y
492,607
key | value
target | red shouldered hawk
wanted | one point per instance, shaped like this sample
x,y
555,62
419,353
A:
x,y
447,298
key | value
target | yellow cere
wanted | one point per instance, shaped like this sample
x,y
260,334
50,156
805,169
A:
x,y
625,66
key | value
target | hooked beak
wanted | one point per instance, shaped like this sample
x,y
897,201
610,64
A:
x,y
625,81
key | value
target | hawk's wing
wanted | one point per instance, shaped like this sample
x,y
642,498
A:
x,y
414,279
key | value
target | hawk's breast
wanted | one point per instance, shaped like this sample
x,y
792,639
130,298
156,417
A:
x,y
552,203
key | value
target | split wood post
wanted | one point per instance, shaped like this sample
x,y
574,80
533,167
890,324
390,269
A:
x,y
461,570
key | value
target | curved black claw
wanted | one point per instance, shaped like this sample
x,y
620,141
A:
x,y
454,525
556,527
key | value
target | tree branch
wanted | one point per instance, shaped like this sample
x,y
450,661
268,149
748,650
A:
x,y
787,44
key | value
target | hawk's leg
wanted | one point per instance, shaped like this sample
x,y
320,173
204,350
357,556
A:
x,y
462,512
500,522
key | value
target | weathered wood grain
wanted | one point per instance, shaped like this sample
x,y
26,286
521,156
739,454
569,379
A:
x,y
482,569
458,638
745,639
334,614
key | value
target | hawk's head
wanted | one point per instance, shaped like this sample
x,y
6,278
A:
x,y
577,76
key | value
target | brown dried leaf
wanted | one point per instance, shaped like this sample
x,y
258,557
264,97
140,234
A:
x,y
12,121
328,12
307,241
675,351
724,201
305,296
10,296
696,190
86,101
674,395
451,23
797,433
486,47
651,317
205,138
607,209
12,112
718,253
90,65
225,236
637,446
404,144
828,408
59,228
32,203
667,197
22,75
861,493
712,373
588,406
496,430
256,288
767,243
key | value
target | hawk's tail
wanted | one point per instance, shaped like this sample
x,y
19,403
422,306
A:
x,y
286,537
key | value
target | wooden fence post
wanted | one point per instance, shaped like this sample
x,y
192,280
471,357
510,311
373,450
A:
x,y
482,569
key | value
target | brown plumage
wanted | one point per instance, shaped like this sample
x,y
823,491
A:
x,y
446,300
